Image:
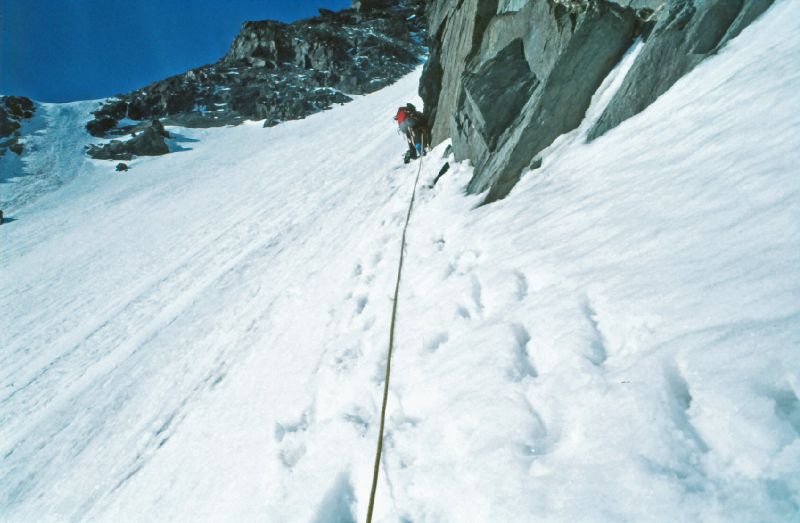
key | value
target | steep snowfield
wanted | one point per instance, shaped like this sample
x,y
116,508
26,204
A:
x,y
204,337
52,138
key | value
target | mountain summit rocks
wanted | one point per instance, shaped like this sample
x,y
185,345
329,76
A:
x,y
505,78
277,72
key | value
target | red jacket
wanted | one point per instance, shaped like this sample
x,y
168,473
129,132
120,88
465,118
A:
x,y
402,114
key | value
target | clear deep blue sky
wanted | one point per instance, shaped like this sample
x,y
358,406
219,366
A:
x,y
65,50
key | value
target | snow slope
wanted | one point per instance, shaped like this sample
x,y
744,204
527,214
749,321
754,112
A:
x,y
53,140
203,338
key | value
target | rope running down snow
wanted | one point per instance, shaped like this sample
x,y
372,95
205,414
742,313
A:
x,y
391,347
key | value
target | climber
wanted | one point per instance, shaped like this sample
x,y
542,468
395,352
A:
x,y
423,127
414,126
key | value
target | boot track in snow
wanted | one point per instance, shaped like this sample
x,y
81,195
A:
x,y
391,347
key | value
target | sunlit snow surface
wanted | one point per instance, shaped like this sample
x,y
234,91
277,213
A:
x,y
204,337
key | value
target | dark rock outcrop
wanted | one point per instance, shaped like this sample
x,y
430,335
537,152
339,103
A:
x,y
114,150
529,76
19,107
13,111
684,35
277,72
149,142
101,125
506,77
456,31
106,118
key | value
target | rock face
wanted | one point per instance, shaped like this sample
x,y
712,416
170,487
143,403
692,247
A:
x,y
685,33
278,72
507,77
149,142
13,110
456,30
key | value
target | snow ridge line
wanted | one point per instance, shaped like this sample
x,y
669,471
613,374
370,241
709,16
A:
x,y
392,324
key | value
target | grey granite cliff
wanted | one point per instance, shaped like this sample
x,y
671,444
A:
x,y
507,77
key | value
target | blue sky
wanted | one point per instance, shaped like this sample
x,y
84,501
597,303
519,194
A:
x,y
65,50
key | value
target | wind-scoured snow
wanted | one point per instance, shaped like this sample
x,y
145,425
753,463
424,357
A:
x,y
204,337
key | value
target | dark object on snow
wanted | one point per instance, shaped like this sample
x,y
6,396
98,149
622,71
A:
x,y
149,142
121,167
442,171
1,217
447,151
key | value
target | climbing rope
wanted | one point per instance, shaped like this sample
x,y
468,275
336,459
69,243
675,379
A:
x,y
389,355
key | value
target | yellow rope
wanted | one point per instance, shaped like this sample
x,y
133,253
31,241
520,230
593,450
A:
x,y
389,356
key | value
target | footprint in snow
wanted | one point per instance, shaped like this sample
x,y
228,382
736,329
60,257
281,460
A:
x,y
477,293
596,351
433,344
291,439
463,313
293,427
337,505
522,285
345,358
523,366
361,304
503,291
466,261
359,419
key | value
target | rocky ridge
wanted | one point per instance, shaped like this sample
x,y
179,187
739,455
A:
x,y
150,141
277,72
13,111
506,77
